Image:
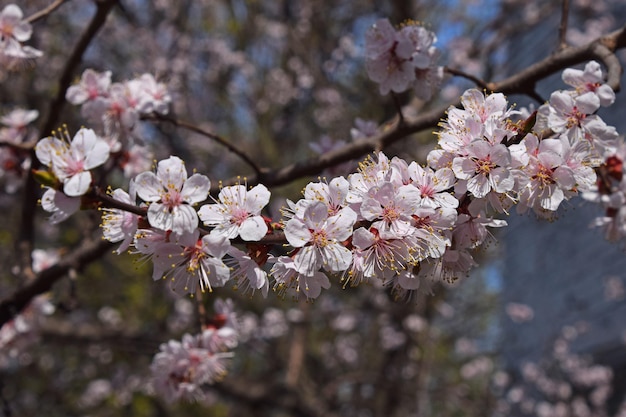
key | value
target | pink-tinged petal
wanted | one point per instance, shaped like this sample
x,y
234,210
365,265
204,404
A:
x,y
562,102
464,168
501,155
45,149
315,215
95,150
336,257
213,214
363,238
478,185
196,189
76,95
12,12
408,198
257,198
216,246
159,216
172,172
551,198
371,209
340,225
185,219
307,261
149,188
297,233
253,229
446,200
549,159
606,95
78,184
226,229
502,180
312,285
564,177
573,77
480,149
588,103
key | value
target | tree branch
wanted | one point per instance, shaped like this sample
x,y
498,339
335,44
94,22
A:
x,y
523,82
186,125
45,12
43,282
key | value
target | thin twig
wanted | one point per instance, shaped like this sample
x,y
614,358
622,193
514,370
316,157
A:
x,y
563,26
458,73
45,12
189,126
523,82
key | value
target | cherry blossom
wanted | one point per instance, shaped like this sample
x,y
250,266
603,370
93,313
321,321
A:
x,y
238,212
590,80
485,168
398,59
71,162
318,237
188,261
13,31
171,195
181,369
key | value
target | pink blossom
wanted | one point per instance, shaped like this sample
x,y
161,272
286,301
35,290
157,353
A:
x,y
238,212
171,195
71,162
590,80
319,237
188,260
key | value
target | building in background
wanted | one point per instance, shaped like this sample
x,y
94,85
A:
x,y
571,278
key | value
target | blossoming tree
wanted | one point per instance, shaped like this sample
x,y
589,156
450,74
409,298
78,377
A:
x,y
128,173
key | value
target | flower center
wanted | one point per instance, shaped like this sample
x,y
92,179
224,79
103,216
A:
x,y
172,198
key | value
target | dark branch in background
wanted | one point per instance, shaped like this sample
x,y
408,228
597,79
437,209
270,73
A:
x,y
78,259
213,136
24,245
524,82
45,12
563,26
272,396
458,73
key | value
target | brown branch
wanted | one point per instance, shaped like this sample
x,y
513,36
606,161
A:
x,y
44,12
43,282
189,126
523,82
458,73
563,25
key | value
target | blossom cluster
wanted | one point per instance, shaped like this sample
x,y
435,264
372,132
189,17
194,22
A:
x,y
395,222
182,368
114,109
14,31
399,59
